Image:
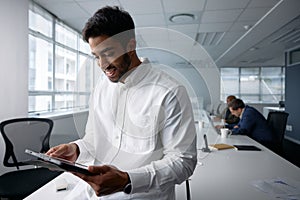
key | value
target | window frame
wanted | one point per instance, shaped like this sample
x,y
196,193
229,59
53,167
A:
x,y
78,51
239,93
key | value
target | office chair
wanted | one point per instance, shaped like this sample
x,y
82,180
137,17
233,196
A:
x,y
277,122
20,134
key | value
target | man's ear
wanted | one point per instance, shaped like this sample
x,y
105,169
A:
x,y
131,46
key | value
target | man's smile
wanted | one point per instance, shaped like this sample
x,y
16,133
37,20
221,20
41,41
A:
x,y
110,71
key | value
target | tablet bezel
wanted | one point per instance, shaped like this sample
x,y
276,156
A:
x,y
61,164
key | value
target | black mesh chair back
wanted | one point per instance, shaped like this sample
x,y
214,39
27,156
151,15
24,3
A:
x,y
20,134
277,122
24,133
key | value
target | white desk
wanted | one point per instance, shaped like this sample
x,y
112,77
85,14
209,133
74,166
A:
x,y
229,174
48,191
225,174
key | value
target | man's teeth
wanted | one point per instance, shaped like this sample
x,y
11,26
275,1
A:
x,y
110,70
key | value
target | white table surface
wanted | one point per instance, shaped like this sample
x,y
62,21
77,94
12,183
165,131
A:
x,y
219,175
229,174
48,191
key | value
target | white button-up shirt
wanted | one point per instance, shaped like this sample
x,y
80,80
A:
x,y
145,127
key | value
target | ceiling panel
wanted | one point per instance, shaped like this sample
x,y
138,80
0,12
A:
x,y
91,6
77,22
225,4
212,17
142,6
149,20
215,27
43,2
185,28
262,3
251,14
65,10
152,36
227,41
233,36
220,16
239,26
182,6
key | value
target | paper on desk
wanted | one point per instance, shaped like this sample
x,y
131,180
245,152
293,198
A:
x,y
81,191
280,188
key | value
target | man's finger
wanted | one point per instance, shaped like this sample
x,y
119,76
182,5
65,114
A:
x,y
99,169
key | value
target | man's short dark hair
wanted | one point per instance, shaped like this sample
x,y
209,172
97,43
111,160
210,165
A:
x,y
231,97
236,104
109,21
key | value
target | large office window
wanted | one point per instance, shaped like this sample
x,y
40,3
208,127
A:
x,y
253,84
60,67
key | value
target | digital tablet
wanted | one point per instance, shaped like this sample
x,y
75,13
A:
x,y
57,163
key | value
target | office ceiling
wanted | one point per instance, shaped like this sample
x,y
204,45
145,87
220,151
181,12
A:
x,y
233,32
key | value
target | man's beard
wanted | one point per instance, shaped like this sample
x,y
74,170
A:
x,y
123,68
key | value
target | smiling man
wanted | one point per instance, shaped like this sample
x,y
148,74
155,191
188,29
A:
x,y
140,135
114,60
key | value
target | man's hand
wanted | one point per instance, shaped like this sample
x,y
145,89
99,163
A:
x,y
109,179
68,152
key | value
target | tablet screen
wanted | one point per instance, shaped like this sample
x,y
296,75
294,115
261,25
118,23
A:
x,y
62,164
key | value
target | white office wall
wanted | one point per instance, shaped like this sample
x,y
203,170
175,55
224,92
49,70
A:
x,y
68,128
14,76
13,58
13,62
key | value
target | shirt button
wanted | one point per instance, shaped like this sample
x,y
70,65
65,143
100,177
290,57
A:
x,y
117,137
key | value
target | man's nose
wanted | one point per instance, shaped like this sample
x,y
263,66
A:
x,y
103,63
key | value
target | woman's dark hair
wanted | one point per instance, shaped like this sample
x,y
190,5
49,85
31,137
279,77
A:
x,y
110,21
236,104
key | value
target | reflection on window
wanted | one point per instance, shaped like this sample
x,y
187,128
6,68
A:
x,y
60,67
66,69
40,21
40,56
40,103
65,35
253,84
229,81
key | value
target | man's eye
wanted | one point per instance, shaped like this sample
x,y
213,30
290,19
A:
x,y
109,54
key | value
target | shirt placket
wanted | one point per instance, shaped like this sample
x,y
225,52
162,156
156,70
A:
x,y
120,117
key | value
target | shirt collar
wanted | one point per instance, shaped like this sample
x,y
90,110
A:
x,y
123,78
242,113
135,75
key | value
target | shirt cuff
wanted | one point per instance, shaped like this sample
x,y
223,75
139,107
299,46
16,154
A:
x,y
85,153
140,180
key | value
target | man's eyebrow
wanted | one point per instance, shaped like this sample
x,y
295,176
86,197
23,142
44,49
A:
x,y
104,50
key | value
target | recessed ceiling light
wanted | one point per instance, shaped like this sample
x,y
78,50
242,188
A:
x,y
182,18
